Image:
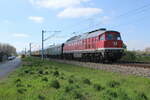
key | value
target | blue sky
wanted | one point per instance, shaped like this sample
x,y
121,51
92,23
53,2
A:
x,y
21,21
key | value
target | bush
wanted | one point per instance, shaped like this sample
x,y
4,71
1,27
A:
x,y
129,56
55,84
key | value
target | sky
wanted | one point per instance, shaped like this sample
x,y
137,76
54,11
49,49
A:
x,y
22,21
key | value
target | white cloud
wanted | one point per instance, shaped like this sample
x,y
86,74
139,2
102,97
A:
x,y
79,12
70,8
20,35
36,19
57,3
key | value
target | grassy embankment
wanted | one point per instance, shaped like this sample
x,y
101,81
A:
x,y
135,56
37,80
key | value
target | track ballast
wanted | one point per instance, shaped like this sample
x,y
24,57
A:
x,y
137,69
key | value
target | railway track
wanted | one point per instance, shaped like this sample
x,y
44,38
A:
x,y
137,69
134,64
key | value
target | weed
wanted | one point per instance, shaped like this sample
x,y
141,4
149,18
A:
x,y
78,95
46,67
19,85
98,87
77,86
113,84
142,96
20,74
70,81
26,71
29,85
55,68
21,91
112,93
55,84
46,73
31,73
40,97
45,79
41,72
87,81
18,80
123,95
56,73
62,78
68,88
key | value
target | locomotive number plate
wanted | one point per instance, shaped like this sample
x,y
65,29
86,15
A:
x,y
115,43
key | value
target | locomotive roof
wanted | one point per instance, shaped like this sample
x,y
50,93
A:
x,y
87,35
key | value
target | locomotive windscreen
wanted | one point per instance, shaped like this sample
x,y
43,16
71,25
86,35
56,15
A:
x,y
113,36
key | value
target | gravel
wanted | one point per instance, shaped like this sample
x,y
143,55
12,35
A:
x,y
127,70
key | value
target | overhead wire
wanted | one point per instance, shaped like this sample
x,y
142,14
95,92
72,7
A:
x,y
133,12
136,10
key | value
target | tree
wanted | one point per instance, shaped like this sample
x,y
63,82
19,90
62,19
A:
x,y
6,50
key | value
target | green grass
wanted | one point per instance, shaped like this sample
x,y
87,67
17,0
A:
x,y
143,58
47,80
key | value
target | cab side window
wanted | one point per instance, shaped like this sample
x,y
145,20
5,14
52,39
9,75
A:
x,y
102,37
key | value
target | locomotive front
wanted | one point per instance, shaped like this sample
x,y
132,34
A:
x,y
111,45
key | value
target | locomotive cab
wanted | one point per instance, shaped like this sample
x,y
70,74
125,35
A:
x,y
112,45
113,40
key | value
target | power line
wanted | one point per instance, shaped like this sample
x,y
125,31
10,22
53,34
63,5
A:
x,y
137,21
133,12
137,11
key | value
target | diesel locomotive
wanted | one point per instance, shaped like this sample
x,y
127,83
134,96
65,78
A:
x,y
99,46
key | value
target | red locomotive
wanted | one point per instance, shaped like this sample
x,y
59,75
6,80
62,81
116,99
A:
x,y
99,46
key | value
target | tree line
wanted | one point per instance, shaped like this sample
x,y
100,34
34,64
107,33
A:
x,y
6,50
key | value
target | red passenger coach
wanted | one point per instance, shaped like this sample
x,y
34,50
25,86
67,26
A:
x,y
99,45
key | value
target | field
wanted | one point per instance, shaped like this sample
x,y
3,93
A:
x,y
37,80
